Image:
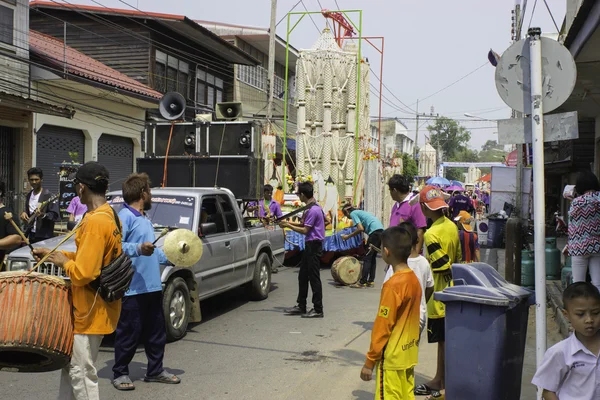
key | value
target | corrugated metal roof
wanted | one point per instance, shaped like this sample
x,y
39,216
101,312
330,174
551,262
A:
x,y
58,55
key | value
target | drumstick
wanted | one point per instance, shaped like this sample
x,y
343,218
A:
x,y
162,233
67,237
8,216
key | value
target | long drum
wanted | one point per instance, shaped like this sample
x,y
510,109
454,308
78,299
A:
x,y
346,270
36,322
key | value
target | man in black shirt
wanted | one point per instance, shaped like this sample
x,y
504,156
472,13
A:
x,y
42,226
9,238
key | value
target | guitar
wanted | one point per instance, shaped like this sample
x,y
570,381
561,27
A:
x,y
40,209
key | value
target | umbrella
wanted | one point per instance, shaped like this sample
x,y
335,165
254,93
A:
x,y
454,188
456,183
438,181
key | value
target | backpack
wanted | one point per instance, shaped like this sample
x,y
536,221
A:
x,y
115,278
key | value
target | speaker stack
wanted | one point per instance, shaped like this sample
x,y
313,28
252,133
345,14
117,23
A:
x,y
204,152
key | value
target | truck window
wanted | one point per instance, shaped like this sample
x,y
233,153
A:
x,y
211,212
228,210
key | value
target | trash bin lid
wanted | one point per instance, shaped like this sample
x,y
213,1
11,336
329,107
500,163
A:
x,y
484,275
473,294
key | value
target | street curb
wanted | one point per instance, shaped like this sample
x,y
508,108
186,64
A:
x,y
554,291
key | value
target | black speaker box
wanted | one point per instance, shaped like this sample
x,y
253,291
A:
x,y
244,176
156,144
236,138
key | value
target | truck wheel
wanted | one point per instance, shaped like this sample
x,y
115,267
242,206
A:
x,y
176,308
259,287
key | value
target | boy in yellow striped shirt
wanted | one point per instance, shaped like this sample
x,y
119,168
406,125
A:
x,y
395,336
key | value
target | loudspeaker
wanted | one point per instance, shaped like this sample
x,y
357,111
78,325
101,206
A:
x,y
244,176
172,106
239,138
228,111
188,139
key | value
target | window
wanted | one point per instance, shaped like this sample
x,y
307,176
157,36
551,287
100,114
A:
x,y
230,216
211,213
209,88
7,16
171,74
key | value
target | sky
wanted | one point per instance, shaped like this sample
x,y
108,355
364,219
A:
x,y
429,44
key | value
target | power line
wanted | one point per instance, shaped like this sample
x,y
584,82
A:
x,y
532,13
311,17
326,20
455,82
392,93
337,5
285,15
551,16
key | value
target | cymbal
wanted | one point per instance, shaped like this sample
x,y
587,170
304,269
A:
x,y
182,247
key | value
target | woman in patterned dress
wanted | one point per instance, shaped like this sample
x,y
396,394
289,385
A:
x,y
584,229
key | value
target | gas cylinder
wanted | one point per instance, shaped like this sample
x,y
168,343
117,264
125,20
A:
x,y
552,259
566,274
527,269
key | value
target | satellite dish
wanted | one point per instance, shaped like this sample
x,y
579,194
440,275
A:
x,y
172,106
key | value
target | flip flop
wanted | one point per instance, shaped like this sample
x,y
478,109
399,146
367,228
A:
x,y
424,390
163,377
120,382
436,395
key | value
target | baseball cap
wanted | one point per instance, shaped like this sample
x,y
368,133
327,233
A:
x,y
433,198
92,174
464,219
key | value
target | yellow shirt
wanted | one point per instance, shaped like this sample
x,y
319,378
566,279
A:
x,y
98,243
396,328
443,249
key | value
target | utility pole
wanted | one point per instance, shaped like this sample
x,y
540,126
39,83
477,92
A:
x,y
271,79
416,133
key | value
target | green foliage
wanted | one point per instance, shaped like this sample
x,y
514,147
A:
x,y
409,167
450,137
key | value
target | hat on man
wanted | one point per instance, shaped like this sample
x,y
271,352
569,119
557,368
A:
x,y
92,174
464,219
433,198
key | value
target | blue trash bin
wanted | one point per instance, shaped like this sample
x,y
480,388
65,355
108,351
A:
x,y
486,330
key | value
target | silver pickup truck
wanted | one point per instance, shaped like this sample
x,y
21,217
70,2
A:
x,y
235,253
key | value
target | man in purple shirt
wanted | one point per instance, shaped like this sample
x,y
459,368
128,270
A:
x,y
313,227
403,211
268,208
459,203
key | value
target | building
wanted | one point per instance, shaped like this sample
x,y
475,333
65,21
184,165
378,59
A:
x,y
427,160
251,83
17,106
110,112
394,137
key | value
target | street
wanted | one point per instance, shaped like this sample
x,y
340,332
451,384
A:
x,y
250,350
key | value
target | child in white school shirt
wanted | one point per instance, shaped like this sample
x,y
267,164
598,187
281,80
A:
x,y
570,368
420,267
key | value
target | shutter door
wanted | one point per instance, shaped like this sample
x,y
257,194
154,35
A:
x,y
116,154
53,146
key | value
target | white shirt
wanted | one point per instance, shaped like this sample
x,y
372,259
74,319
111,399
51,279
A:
x,y
570,370
33,204
420,267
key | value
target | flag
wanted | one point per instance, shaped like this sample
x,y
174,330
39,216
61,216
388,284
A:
x,y
493,57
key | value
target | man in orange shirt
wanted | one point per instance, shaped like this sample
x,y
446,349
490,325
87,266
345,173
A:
x,y
98,241
395,336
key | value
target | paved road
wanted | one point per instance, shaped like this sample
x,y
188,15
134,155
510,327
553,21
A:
x,y
249,350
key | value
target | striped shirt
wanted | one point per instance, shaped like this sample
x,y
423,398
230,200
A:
x,y
469,243
584,225
443,250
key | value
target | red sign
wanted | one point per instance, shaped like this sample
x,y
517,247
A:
x,y
511,158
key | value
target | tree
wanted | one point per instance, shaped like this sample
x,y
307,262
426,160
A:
x,y
492,145
409,167
449,137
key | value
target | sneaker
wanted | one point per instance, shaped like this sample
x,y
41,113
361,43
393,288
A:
x,y
313,314
358,285
274,271
296,310
370,284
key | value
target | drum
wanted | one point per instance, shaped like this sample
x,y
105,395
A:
x,y
346,270
36,322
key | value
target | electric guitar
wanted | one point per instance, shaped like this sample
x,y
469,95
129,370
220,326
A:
x,y
41,208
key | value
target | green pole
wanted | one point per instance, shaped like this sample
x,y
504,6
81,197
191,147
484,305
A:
x,y
285,101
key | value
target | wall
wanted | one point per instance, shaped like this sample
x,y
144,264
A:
x,y
14,73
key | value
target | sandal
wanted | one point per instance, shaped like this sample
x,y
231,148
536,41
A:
x,y
163,377
358,285
123,383
436,395
424,390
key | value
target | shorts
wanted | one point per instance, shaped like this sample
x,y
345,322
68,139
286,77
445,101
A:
x,y
395,384
436,330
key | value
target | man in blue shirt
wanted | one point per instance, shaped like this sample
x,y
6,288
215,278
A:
x,y
142,319
369,224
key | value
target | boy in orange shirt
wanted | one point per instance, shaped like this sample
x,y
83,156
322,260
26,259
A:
x,y
395,337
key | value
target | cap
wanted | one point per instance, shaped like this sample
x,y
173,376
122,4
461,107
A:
x,y
92,174
433,198
464,219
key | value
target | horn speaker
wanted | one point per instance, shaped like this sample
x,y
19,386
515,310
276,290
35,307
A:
x,y
172,106
228,111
